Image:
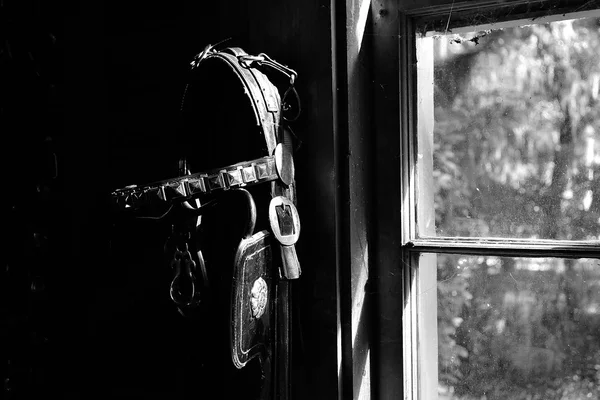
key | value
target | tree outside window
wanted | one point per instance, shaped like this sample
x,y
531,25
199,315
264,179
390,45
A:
x,y
516,155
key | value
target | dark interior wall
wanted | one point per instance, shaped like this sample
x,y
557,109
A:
x,y
105,323
99,323
125,70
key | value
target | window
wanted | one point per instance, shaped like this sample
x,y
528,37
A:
x,y
501,207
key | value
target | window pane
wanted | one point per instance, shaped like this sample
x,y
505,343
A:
x,y
516,132
517,328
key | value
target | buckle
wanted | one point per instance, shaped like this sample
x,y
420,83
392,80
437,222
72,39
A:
x,y
246,61
284,220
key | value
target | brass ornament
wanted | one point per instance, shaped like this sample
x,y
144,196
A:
x,y
258,301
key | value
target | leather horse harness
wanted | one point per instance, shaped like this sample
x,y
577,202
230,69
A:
x,y
264,260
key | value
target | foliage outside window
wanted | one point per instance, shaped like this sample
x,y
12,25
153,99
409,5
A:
x,y
512,153
517,132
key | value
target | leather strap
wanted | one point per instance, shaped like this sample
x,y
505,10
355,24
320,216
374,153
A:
x,y
188,187
265,103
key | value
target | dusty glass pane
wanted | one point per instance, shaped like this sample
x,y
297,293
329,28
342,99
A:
x,y
516,136
518,328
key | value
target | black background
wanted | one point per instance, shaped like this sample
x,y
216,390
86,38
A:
x,y
98,85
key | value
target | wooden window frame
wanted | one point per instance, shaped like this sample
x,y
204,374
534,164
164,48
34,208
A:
x,y
399,245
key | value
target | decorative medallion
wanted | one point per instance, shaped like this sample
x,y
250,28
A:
x,y
258,302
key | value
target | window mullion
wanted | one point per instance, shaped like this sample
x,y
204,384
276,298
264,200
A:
x,y
506,247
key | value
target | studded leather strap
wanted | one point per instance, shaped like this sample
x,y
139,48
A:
x,y
191,186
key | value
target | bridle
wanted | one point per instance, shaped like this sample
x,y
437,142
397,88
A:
x,y
257,270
